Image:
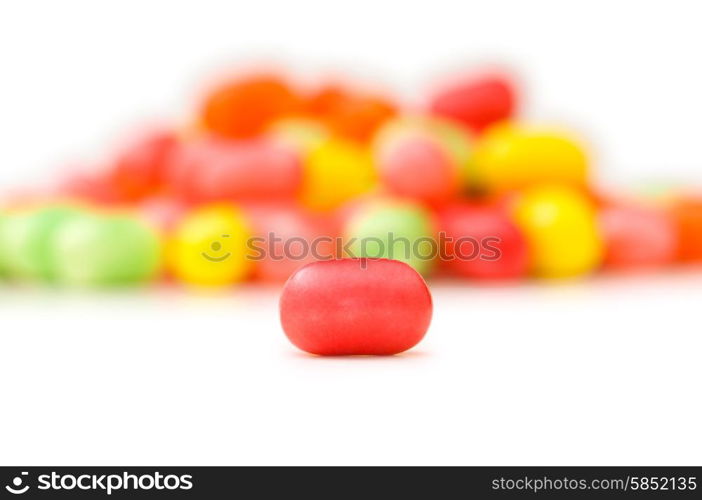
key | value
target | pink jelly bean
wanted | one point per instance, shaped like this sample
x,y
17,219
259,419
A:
x,y
252,170
417,167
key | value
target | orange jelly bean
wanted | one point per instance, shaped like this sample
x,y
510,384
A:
x,y
687,213
246,107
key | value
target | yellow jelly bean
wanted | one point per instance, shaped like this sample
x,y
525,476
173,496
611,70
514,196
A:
x,y
209,247
336,171
560,225
511,157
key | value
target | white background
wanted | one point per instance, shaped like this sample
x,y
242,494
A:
x,y
605,371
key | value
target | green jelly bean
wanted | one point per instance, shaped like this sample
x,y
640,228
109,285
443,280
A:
x,y
106,250
25,241
393,229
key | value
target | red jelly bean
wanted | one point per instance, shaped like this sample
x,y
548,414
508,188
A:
x,y
482,242
253,170
140,169
355,306
476,102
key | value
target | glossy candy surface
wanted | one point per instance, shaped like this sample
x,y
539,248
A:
x,y
105,250
561,229
209,247
393,229
482,242
514,157
355,306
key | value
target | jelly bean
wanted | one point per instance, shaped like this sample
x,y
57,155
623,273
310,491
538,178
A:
x,y
245,107
287,237
687,213
394,229
106,249
513,157
26,239
482,242
214,170
355,307
209,247
560,225
421,159
417,168
140,169
352,115
477,102
334,172
637,236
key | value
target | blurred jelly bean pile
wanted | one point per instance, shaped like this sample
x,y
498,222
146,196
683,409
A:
x,y
268,175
